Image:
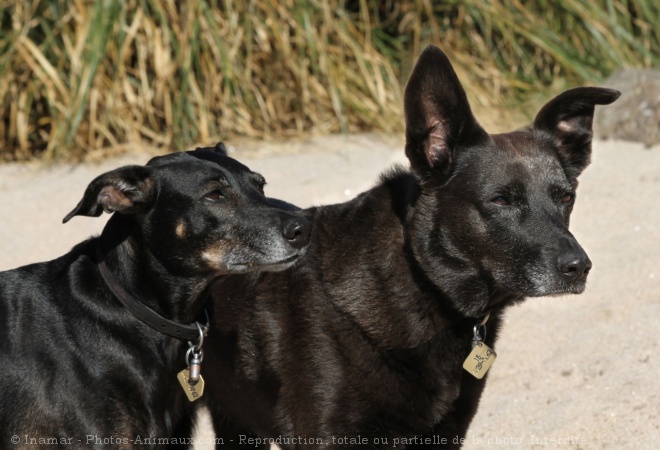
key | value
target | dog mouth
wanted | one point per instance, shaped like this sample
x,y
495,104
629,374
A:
x,y
577,287
276,266
280,265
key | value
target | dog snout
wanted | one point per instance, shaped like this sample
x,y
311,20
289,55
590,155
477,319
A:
x,y
297,231
574,264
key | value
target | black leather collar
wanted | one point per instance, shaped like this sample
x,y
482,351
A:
x,y
143,312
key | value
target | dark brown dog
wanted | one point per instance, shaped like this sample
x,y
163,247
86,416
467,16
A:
x,y
361,344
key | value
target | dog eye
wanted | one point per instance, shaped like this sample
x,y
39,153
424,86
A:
x,y
501,200
568,197
214,196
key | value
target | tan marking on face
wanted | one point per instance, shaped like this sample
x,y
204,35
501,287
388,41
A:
x,y
215,257
180,229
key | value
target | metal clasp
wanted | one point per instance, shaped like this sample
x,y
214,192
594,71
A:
x,y
195,355
477,330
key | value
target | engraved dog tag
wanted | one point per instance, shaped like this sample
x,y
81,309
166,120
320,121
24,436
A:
x,y
479,360
194,392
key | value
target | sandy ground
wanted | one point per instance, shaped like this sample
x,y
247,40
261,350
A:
x,y
578,372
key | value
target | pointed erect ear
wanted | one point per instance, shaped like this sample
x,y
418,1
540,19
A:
x,y
567,119
438,116
126,190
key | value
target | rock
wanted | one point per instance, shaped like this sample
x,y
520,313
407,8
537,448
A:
x,y
636,115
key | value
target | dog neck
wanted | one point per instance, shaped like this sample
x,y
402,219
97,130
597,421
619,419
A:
x,y
178,298
147,315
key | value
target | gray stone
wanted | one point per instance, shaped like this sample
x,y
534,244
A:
x,y
636,115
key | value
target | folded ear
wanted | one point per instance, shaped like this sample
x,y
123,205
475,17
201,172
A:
x,y
127,190
220,148
567,119
438,115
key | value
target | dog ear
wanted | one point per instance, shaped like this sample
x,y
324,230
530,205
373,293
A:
x,y
124,190
220,148
438,115
568,120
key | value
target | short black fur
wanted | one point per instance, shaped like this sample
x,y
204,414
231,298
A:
x,y
75,365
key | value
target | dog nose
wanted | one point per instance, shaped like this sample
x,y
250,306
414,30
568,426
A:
x,y
297,232
574,265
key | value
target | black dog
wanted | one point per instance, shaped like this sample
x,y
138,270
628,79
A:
x,y
77,367
361,344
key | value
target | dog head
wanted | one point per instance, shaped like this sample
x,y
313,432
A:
x,y
200,211
495,208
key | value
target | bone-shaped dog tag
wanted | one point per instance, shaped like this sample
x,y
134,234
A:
x,y
193,391
479,360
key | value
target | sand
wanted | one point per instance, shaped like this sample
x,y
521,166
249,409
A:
x,y
580,372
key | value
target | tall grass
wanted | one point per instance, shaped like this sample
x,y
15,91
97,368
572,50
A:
x,y
77,76
518,46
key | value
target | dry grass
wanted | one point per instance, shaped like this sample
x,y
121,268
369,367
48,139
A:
x,y
78,76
